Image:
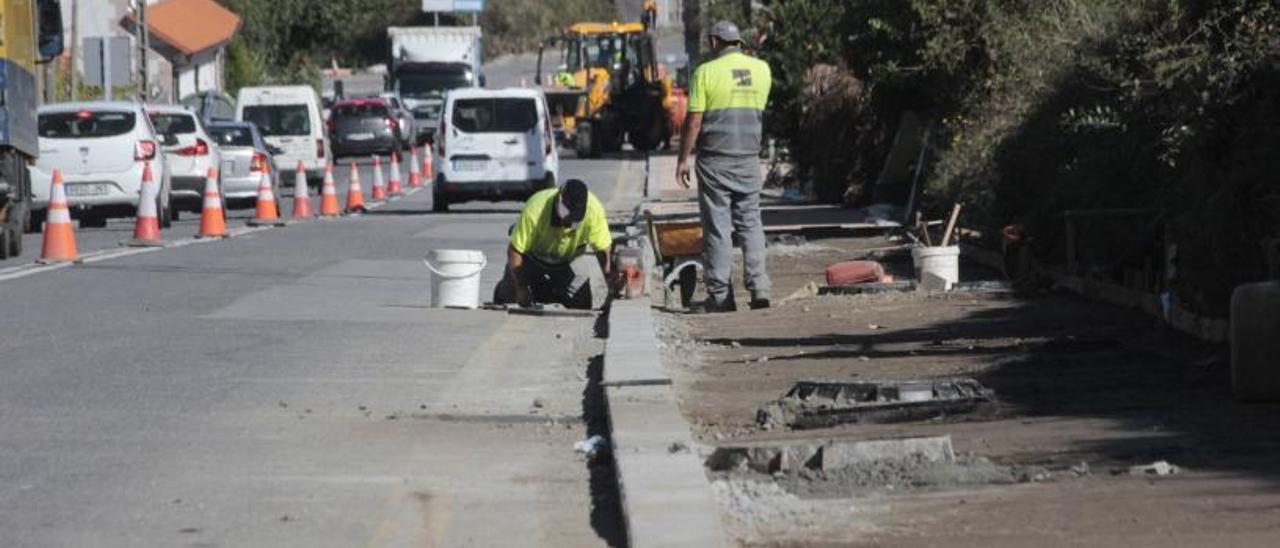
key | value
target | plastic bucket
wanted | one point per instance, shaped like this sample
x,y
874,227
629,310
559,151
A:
x,y
939,267
455,277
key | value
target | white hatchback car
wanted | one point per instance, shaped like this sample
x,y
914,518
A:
x,y
189,152
493,145
101,148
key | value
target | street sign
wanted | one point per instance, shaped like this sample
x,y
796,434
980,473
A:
x,y
107,57
447,6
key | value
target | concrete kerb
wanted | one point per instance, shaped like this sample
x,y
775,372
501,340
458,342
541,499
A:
x,y
666,498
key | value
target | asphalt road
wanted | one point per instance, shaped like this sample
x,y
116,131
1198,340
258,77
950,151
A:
x,y
292,387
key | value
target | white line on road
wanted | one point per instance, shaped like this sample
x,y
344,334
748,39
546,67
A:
x,y
31,269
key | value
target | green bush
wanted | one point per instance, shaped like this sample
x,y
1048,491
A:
x,y
1054,105
514,26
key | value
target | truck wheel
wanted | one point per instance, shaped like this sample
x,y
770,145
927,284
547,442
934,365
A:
x,y
589,140
13,168
163,214
647,139
35,222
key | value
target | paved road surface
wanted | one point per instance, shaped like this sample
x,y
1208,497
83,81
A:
x,y
291,387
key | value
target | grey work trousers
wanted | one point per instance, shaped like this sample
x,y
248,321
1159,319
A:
x,y
729,203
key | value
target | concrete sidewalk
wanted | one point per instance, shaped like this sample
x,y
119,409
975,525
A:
x,y
666,498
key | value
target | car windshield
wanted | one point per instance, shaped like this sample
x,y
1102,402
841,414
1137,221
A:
x,y
173,124
424,85
360,110
506,115
232,136
85,124
285,120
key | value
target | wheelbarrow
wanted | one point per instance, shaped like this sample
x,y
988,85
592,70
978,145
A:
x,y
677,248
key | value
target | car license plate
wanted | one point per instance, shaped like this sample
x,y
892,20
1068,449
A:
x,y
360,137
469,165
88,189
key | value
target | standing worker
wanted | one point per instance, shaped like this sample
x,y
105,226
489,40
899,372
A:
x,y
727,99
556,227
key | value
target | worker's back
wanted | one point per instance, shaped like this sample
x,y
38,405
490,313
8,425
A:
x,y
731,91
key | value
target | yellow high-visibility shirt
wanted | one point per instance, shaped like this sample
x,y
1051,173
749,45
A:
x,y
535,234
731,91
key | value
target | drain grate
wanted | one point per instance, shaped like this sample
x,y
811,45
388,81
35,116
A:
x,y
823,404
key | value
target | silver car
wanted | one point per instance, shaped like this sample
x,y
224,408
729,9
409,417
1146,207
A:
x,y
245,158
408,125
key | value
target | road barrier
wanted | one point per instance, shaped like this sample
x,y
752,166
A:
x,y
301,198
355,193
427,169
379,191
415,178
267,210
213,222
393,182
59,234
146,228
329,195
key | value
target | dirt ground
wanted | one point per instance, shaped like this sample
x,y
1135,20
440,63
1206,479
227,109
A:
x,y
1084,391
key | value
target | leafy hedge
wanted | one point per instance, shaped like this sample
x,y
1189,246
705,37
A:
x,y
1052,105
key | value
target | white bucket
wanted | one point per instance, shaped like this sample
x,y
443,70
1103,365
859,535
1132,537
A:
x,y
455,277
939,267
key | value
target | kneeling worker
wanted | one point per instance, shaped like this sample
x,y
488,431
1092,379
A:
x,y
555,228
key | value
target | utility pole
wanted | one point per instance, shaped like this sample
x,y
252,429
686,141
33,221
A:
x,y
144,39
75,47
693,38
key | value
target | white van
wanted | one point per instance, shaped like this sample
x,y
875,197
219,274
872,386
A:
x,y
289,118
493,145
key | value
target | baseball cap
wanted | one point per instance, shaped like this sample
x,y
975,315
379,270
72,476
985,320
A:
x,y
572,205
727,31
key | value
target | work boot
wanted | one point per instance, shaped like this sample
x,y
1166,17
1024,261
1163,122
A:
x,y
711,306
759,300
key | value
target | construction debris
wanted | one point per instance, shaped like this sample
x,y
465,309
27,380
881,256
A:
x,y
1157,468
829,456
825,404
850,273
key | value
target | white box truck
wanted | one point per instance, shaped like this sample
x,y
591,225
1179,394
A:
x,y
426,62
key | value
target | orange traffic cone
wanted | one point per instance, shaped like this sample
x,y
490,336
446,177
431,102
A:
x,y
393,183
146,230
59,235
301,200
427,173
268,211
329,195
378,191
415,177
355,192
213,224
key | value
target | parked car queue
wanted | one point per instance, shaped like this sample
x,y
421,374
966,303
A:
x,y
490,145
101,148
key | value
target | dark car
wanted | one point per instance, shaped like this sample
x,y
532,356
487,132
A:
x,y
363,127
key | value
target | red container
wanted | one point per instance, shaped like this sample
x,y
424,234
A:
x,y
854,273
